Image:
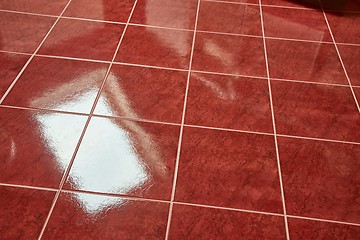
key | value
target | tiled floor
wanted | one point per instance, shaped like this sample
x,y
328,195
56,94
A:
x,y
179,119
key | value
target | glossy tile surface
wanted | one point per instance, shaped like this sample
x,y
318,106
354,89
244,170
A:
x,y
36,140
143,93
310,4
229,102
38,6
350,56
228,169
23,212
58,84
83,39
206,223
345,26
85,216
128,158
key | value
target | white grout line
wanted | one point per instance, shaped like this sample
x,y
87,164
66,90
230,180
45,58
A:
x,y
149,66
160,27
309,82
44,110
28,13
274,125
227,129
324,220
28,187
72,58
92,20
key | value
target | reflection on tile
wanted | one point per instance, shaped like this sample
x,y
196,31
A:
x,y
83,39
345,26
22,33
206,223
143,93
293,3
23,212
58,84
166,13
230,18
109,10
350,56
38,6
318,176
36,140
229,54
229,102
126,157
305,61
156,47
85,216
313,110
228,169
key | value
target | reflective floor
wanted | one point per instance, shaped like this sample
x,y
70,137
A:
x,y
179,119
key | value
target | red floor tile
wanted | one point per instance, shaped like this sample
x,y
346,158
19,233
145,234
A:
x,y
156,47
229,54
10,66
305,61
143,93
319,176
23,212
357,94
293,3
166,13
228,169
38,6
58,84
295,23
304,229
342,6
350,56
229,102
36,147
109,10
23,33
83,39
345,26
313,110
230,18
206,223
129,158
240,1
85,216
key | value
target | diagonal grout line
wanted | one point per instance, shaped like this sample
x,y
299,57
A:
x,y
274,125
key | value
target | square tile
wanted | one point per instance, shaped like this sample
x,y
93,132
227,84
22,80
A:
x,y
229,102
109,10
23,212
293,3
156,47
190,222
305,61
229,54
230,18
83,39
228,169
166,13
10,66
143,93
38,6
344,26
58,84
86,216
350,56
36,140
318,176
21,32
296,24
128,158
313,110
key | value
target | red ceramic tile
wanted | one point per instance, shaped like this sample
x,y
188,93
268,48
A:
x,y
143,93
23,212
240,1
229,102
304,229
128,158
293,3
229,54
83,39
319,176
228,169
23,33
205,223
166,13
341,6
10,66
156,47
357,94
58,84
36,147
305,61
109,10
85,216
230,18
38,6
344,26
295,23
350,56
313,110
